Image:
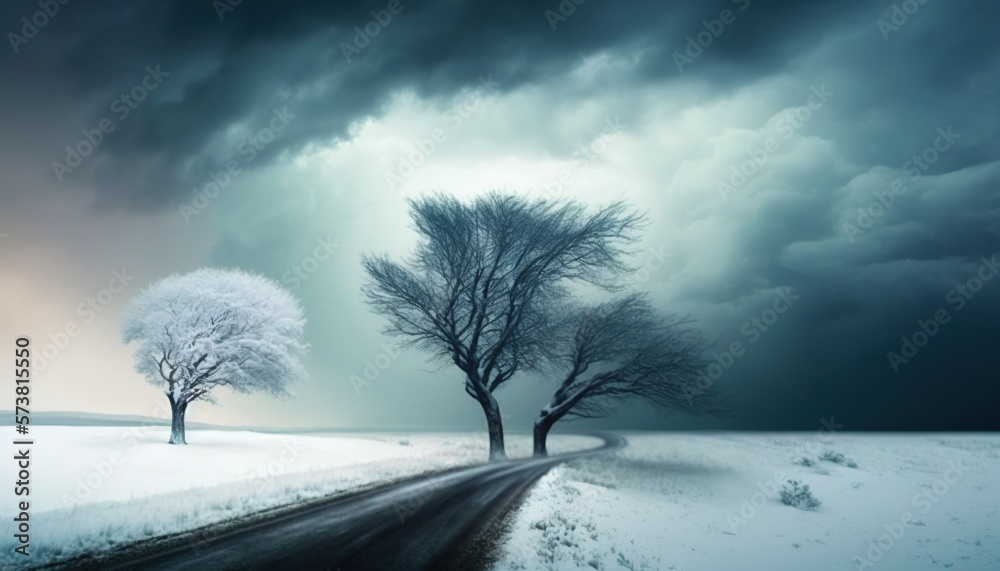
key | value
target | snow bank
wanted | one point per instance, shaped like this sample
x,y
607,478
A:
x,y
694,502
97,487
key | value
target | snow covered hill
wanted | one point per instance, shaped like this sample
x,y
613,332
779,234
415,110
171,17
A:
x,y
706,502
676,501
96,487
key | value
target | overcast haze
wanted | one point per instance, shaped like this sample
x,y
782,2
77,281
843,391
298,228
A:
x,y
840,104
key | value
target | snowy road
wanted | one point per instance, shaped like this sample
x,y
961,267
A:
x,y
418,524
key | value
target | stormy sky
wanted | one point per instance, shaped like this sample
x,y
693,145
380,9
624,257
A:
x,y
821,180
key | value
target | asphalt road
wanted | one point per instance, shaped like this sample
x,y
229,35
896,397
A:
x,y
418,524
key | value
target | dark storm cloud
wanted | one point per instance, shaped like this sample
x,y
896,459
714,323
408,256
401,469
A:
x,y
227,76
897,82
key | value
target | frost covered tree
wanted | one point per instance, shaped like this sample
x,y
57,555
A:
x,y
623,351
473,292
215,328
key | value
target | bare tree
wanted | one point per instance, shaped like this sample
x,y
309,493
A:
x,y
473,291
211,329
623,351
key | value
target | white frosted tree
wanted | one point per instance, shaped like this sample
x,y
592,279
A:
x,y
215,328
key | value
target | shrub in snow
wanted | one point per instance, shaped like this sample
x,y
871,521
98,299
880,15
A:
x,y
628,563
566,537
837,458
807,462
797,495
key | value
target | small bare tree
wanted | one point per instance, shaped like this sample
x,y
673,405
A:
x,y
474,291
623,351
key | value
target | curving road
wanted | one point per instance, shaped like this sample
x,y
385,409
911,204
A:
x,y
425,523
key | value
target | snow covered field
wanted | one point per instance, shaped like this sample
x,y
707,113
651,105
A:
x,y
95,487
711,501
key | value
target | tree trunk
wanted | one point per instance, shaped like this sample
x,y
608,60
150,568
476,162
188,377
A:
x,y
494,423
542,427
177,410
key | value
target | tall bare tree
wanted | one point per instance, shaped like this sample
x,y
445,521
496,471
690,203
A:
x,y
473,292
623,351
